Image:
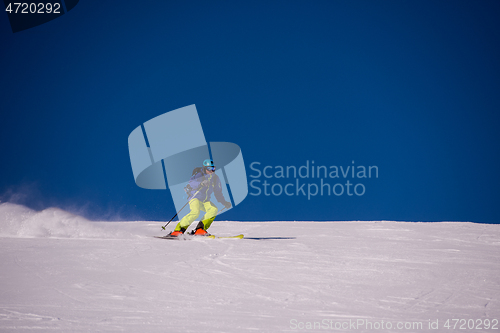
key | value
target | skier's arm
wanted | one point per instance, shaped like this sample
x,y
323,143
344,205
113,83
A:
x,y
195,181
218,193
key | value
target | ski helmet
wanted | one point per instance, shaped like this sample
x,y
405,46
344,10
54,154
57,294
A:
x,y
208,163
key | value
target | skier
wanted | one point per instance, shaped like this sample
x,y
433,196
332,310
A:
x,y
202,184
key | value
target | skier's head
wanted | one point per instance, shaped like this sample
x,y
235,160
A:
x,y
208,166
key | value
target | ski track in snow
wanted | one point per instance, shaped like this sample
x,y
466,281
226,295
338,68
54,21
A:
x,y
61,272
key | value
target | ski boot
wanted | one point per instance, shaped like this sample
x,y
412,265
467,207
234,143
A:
x,y
176,233
200,230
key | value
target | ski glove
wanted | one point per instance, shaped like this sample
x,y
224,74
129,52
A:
x,y
227,204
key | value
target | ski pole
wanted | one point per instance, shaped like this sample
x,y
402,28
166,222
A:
x,y
163,227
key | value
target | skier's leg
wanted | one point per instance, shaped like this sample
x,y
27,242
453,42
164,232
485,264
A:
x,y
211,213
195,205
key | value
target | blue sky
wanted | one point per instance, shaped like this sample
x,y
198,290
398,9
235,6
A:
x,y
411,87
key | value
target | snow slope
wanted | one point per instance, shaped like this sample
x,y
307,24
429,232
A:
x,y
60,272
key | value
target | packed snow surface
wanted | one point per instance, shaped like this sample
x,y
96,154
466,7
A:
x,y
61,272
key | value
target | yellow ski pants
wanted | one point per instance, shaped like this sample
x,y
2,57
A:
x,y
196,206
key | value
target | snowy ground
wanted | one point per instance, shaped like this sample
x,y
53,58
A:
x,y
60,272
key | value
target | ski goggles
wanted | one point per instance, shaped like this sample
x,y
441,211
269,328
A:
x,y
210,168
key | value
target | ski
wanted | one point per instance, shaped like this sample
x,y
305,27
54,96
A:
x,y
222,237
190,237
